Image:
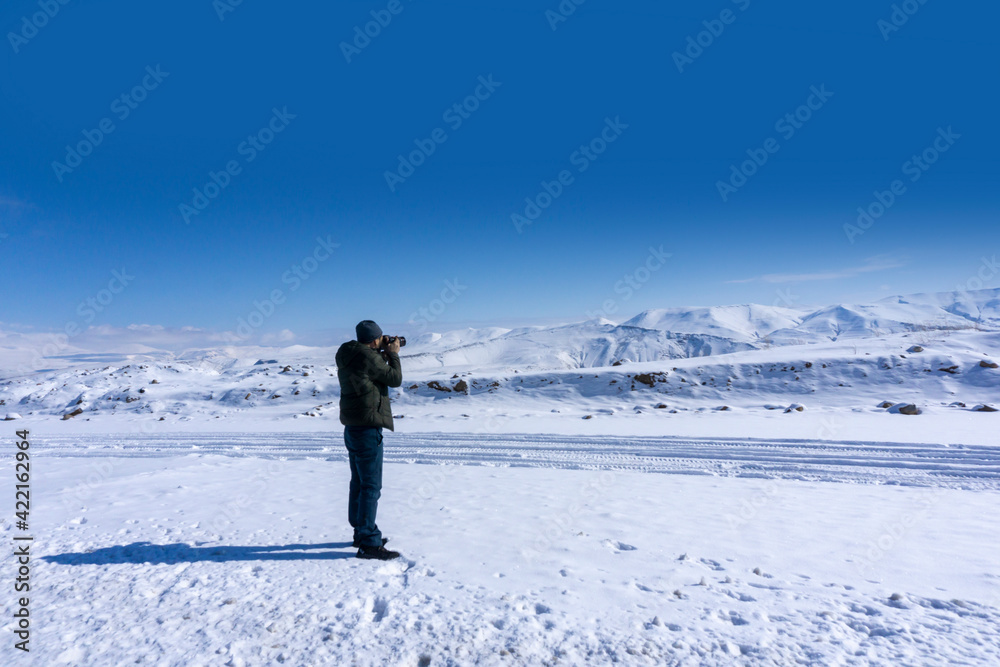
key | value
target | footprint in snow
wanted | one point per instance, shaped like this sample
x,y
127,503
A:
x,y
735,618
764,586
398,566
714,564
618,546
379,608
742,597
657,623
867,610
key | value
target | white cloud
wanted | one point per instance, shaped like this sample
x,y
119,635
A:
x,y
871,265
283,337
10,202
106,337
31,350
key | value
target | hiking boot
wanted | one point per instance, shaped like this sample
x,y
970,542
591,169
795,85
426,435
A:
x,y
357,542
377,553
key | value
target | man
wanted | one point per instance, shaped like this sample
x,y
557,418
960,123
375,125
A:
x,y
365,377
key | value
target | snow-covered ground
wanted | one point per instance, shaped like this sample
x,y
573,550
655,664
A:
x,y
233,550
718,486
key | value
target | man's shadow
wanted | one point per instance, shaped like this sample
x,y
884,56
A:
x,y
169,554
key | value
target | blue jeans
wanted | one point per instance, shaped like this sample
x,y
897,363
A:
x,y
364,447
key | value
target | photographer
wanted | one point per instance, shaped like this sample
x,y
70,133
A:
x,y
366,368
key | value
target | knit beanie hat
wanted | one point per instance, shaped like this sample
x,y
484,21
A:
x,y
367,331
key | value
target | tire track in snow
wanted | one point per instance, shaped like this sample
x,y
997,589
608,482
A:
x,y
971,467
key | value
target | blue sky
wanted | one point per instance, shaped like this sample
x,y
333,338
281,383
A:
x,y
641,108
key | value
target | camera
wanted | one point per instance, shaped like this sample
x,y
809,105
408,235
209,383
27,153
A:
x,y
385,340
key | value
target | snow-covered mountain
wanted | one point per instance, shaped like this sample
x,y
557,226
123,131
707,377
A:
x,y
674,333
678,333
748,323
935,351
583,345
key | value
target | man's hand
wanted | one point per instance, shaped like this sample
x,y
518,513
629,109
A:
x,y
393,346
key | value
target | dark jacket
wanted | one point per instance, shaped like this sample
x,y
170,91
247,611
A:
x,y
365,378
